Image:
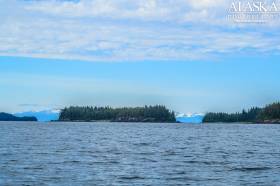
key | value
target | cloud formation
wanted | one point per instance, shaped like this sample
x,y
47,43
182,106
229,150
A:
x,y
124,30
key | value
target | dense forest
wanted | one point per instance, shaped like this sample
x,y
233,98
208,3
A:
x,y
156,113
268,114
10,117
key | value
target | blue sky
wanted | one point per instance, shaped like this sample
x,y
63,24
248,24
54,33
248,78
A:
x,y
183,54
194,86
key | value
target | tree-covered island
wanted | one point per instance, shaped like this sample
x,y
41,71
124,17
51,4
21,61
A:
x,y
268,114
156,113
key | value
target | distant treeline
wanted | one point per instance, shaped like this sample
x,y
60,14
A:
x,y
10,117
268,114
156,113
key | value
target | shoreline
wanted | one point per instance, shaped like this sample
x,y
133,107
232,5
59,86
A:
x,y
249,123
109,121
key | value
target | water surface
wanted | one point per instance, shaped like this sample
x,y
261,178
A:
x,y
139,154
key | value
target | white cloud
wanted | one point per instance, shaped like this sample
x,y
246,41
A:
x,y
117,30
156,10
207,3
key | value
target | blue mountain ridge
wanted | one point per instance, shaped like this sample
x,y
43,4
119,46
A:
x,y
45,116
49,115
192,118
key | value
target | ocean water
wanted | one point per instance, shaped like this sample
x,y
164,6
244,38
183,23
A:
x,y
139,154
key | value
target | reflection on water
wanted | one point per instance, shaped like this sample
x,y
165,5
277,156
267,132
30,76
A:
x,y
138,154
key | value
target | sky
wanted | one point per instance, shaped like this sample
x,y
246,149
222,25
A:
x,y
184,54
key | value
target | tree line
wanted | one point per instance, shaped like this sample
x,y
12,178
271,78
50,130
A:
x,y
156,113
268,114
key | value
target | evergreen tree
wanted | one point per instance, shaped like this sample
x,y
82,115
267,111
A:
x,y
270,113
156,113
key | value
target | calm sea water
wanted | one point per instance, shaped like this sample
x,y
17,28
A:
x,y
139,154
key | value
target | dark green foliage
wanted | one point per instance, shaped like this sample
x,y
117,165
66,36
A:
x,y
244,116
10,117
269,114
156,113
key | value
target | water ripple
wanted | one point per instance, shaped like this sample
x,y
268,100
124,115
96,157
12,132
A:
x,y
138,154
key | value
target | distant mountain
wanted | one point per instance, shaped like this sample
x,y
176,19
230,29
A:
x,y
191,118
10,117
46,115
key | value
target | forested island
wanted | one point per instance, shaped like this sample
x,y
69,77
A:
x,y
10,117
156,113
268,114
